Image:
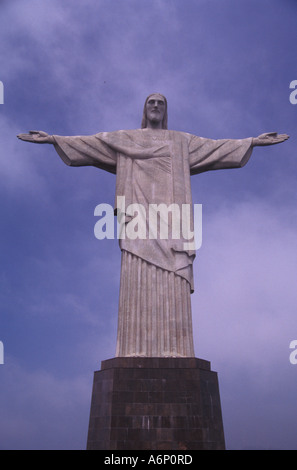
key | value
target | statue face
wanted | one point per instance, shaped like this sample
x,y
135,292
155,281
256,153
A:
x,y
155,110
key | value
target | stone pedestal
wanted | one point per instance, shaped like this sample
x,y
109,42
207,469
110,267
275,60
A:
x,y
155,404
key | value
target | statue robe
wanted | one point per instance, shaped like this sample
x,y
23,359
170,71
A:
x,y
154,167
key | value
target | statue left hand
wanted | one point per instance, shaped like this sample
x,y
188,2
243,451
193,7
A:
x,y
269,138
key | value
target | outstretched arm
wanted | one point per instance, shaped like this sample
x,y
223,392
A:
x,y
77,150
37,137
208,154
269,138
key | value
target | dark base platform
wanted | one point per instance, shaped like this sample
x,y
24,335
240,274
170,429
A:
x,y
155,404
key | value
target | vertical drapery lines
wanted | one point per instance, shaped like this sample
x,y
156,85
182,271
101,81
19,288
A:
x,y
155,318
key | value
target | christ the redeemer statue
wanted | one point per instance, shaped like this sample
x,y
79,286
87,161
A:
x,y
153,165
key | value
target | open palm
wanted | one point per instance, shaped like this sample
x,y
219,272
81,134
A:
x,y
37,137
270,138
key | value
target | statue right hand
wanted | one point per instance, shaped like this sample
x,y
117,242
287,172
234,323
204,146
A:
x,y
37,137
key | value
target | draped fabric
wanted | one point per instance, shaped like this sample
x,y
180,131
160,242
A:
x,y
154,167
155,316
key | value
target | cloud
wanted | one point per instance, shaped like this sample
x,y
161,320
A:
x,y
244,314
248,260
35,404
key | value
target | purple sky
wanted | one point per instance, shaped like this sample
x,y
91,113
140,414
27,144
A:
x,y
83,67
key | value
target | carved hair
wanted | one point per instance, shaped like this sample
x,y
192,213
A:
x,y
144,117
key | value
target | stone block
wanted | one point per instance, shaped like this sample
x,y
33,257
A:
x,y
155,404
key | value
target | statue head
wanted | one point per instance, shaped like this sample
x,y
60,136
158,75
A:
x,y
151,98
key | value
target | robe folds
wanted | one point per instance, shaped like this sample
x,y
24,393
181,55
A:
x,y
154,167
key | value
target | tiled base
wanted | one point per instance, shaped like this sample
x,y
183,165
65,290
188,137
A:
x,y
155,404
